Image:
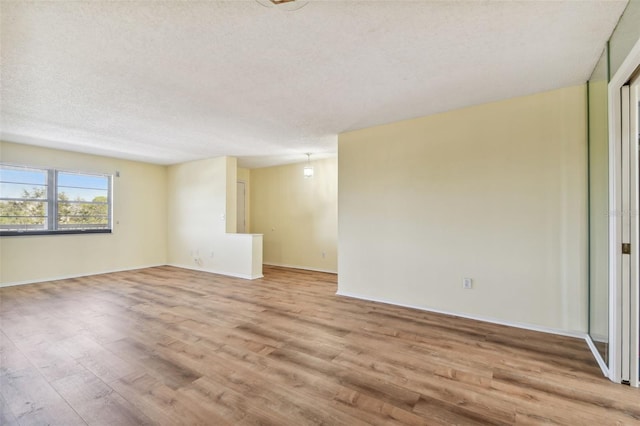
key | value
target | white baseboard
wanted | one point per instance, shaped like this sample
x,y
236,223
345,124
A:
x,y
576,334
66,277
305,268
215,271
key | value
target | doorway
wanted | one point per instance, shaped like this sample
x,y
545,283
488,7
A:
x,y
241,219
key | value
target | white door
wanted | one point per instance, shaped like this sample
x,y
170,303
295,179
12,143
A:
x,y
624,220
627,227
630,226
241,219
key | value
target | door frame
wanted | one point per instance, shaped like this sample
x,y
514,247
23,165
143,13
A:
x,y
620,276
634,284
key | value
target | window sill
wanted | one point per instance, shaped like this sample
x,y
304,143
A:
x,y
64,232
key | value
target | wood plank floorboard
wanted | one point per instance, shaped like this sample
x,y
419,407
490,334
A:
x,y
170,346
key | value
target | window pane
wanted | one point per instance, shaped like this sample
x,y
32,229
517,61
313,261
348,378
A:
x,y
23,215
82,222
82,194
75,180
21,190
23,175
82,213
83,202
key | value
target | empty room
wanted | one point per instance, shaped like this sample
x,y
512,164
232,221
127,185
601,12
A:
x,y
335,212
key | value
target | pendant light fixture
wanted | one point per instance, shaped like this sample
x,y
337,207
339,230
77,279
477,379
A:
x,y
308,169
286,5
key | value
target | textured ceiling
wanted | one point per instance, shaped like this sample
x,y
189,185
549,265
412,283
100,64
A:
x,y
167,82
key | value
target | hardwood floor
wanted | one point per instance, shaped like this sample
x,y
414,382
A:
x,y
171,346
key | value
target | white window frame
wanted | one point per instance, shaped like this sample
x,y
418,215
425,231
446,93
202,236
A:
x,y
52,226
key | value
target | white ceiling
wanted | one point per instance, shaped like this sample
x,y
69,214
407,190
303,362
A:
x,y
167,82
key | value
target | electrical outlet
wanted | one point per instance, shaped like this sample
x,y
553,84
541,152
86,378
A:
x,y
467,283
324,255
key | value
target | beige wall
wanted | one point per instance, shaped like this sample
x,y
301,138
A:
x,y
202,209
139,215
297,216
625,36
495,192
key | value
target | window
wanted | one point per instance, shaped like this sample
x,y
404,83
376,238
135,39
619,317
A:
x,y
47,201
